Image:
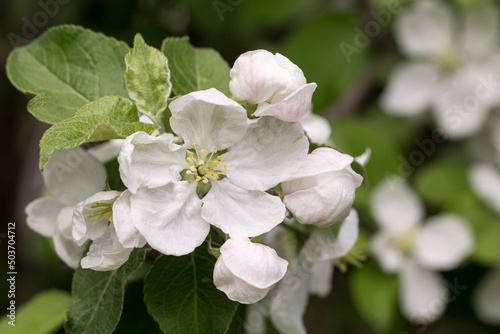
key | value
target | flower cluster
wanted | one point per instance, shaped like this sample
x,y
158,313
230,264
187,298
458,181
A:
x,y
219,169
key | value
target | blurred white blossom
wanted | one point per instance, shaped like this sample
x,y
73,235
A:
x,y
415,250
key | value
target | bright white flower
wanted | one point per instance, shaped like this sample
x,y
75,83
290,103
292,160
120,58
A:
x,y
485,181
70,175
317,128
326,182
453,72
226,161
415,250
486,298
272,82
246,271
310,273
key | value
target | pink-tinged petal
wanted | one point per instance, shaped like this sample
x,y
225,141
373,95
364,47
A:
x,y
209,119
169,217
270,152
72,175
320,200
395,206
148,161
246,271
486,299
292,108
256,76
410,89
323,160
42,215
443,242
424,28
423,294
233,210
126,232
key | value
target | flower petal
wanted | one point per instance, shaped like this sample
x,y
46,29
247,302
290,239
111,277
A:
x,y
317,128
71,175
423,295
232,209
388,256
147,161
256,264
486,299
42,215
323,160
258,75
292,108
463,101
270,152
169,217
424,28
485,181
395,206
126,232
443,242
208,118
289,305
410,89
320,281
106,151
68,250
106,253
480,36
329,198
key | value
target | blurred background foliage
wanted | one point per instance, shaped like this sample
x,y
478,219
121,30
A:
x,y
310,33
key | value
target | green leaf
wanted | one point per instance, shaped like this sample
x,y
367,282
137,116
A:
x,y
98,297
195,69
181,297
322,49
147,77
111,117
442,180
72,66
42,314
375,296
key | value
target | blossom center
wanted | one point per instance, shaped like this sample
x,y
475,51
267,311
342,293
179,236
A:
x,y
448,59
203,166
406,240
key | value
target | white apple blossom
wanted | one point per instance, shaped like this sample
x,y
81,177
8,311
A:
x,y
414,250
218,176
272,82
486,298
70,175
453,71
246,271
310,273
105,219
326,182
